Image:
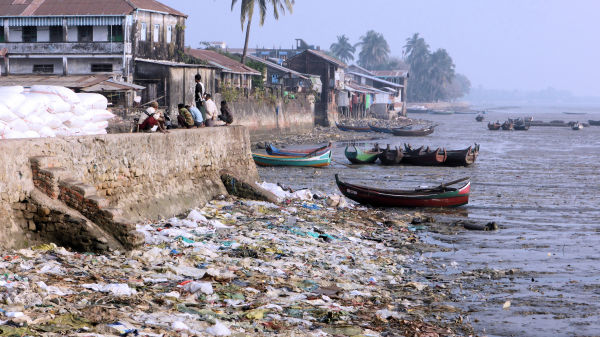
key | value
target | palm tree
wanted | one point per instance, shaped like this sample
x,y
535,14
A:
x,y
342,49
441,73
416,54
247,11
374,50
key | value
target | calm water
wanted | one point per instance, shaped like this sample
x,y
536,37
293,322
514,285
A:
x,y
541,186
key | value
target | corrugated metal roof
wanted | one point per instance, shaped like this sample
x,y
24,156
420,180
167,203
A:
x,y
81,7
391,73
322,55
276,66
174,64
391,84
74,81
227,64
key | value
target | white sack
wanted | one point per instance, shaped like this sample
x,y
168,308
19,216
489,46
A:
x,y
18,125
91,101
100,115
15,89
6,115
28,107
66,94
12,101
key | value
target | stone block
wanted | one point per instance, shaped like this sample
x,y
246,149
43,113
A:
x,y
97,201
31,225
84,190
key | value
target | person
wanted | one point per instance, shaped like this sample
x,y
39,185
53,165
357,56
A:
x,y
196,115
226,115
184,119
199,91
211,110
149,119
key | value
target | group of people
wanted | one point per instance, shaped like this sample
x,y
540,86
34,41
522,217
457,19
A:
x,y
204,113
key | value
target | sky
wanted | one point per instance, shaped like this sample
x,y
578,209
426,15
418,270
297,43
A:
x,y
498,44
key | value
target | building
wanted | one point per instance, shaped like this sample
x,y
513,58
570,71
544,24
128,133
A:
x,y
78,38
331,72
230,72
282,77
399,76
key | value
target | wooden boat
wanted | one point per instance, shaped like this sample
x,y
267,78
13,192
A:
x,y
441,112
379,129
317,151
440,196
521,127
508,125
479,118
391,157
353,128
431,158
574,113
577,126
595,123
466,112
409,150
417,110
359,156
312,161
464,157
494,126
409,132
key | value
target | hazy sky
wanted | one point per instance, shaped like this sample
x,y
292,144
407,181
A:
x,y
500,44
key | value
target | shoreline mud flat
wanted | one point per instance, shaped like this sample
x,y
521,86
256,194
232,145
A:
x,y
240,268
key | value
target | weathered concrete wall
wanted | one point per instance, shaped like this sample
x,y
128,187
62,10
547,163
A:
x,y
143,176
263,117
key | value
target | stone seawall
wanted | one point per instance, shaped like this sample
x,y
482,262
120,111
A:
x,y
112,181
262,117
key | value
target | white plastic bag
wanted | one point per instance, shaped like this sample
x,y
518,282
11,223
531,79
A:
x,y
15,89
66,94
91,101
6,115
12,101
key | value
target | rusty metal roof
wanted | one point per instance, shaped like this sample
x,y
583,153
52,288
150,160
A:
x,y
390,73
227,65
81,7
89,83
322,55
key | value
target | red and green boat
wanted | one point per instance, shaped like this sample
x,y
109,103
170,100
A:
x,y
440,196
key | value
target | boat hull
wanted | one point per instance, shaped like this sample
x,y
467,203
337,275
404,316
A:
x,y
390,198
361,157
434,158
413,133
269,160
353,128
275,151
464,157
383,130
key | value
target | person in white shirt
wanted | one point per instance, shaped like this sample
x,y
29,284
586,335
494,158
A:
x,y
151,118
211,110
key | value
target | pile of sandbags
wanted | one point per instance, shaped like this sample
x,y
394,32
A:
x,y
49,111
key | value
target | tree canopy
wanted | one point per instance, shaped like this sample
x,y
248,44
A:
x,y
343,49
374,50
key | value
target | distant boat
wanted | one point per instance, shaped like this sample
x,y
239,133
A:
x,y
275,151
577,126
494,126
508,125
595,123
479,118
574,113
441,112
409,132
466,112
417,110
315,161
353,128
358,156
380,129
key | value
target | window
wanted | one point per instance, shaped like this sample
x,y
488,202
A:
x,y
169,34
116,33
102,68
85,33
143,32
2,34
29,34
156,33
56,34
43,68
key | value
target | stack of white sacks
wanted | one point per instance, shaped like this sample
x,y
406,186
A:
x,y
50,111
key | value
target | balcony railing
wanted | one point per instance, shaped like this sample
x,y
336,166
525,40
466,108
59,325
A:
x,y
75,48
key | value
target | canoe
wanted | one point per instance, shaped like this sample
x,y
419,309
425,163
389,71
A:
x,y
379,129
317,151
420,110
391,157
441,196
359,156
577,126
508,126
466,112
353,128
441,112
521,127
432,158
479,118
312,161
404,132
595,123
494,126
574,113
464,157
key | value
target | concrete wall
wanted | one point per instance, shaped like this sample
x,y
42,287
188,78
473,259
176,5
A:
x,y
144,176
260,117
25,65
83,66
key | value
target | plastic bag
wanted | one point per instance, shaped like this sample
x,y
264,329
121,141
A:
x,y
15,89
6,115
12,101
66,94
91,101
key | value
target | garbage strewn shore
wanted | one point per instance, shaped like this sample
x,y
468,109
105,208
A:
x,y
237,268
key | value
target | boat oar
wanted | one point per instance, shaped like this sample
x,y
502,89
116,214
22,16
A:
x,y
453,182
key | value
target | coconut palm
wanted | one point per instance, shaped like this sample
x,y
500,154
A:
x,y
374,50
342,49
441,74
247,12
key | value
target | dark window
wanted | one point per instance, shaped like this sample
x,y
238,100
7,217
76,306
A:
x,y
30,34
85,33
43,68
2,34
102,68
116,33
56,34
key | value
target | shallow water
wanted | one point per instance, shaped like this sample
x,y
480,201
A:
x,y
541,186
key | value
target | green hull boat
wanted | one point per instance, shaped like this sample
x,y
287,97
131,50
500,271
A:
x,y
358,156
314,161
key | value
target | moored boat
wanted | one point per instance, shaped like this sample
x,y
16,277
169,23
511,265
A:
x,y
391,157
594,123
464,157
577,126
380,129
317,151
353,128
425,158
410,132
441,112
416,110
494,126
508,125
479,118
358,156
440,196
310,161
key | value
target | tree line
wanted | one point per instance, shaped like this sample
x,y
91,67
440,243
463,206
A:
x,y
432,74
